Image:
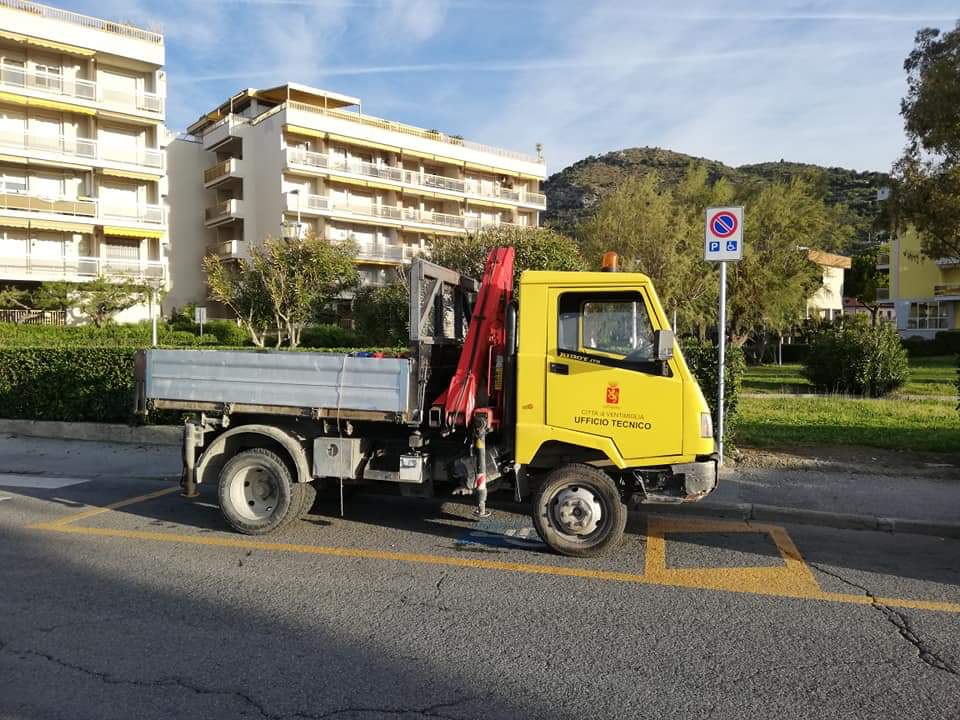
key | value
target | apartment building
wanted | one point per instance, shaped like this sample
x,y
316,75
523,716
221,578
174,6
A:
x,y
81,163
826,303
925,292
294,159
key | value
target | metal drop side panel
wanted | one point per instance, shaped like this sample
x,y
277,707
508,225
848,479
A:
x,y
279,379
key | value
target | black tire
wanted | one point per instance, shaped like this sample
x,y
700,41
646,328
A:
x,y
258,495
580,482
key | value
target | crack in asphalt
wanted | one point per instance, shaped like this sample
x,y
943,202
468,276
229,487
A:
x,y
432,711
901,622
108,679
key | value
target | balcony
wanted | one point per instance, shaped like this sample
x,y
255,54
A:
x,y
949,262
29,267
123,30
409,130
122,213
223,212
89,92
883,294
73,150
221,172
324,205
946,290
331,164
24,204
883,261
223,131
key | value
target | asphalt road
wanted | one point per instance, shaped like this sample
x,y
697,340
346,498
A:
x,y
405,610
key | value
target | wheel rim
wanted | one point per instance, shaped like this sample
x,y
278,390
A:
x,y
254,492
578,511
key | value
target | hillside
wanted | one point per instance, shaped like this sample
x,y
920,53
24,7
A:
x,y
574,192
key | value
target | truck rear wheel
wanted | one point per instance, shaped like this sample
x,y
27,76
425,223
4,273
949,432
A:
x,y
578,511
258,494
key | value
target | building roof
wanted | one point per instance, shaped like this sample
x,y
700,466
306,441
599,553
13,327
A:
x,y
826,259
275,95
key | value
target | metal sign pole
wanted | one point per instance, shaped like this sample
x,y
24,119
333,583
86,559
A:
x,y
153,316
721,355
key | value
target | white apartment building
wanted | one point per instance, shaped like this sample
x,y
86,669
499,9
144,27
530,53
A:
x,y
81,163
293,159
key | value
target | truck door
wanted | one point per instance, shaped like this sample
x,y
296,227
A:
x,y
602,378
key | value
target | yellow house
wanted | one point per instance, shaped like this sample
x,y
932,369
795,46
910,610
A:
x,y
926,292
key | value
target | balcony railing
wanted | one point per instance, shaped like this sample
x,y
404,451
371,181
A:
x,y
220,171
24,202
149,214
322,203
122,29
83,267
322,161
397,127
950,289
223,130
883,260
77,147
883,293
21,201
948,262
223,210
57,85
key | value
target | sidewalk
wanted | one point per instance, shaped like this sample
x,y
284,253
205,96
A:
x,y
842,487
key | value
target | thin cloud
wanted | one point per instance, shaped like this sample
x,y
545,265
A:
x,y
508,66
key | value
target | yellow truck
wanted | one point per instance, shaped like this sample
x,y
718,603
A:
x,y
574,396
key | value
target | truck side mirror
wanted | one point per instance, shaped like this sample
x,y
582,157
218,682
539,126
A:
x,y
663,344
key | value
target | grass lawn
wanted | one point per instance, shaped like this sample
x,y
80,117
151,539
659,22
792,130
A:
x,y
928,376
921,425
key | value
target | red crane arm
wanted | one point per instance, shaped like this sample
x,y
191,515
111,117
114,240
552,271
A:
x,y
476,381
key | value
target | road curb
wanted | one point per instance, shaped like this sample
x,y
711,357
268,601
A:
x,y
96,432
774,513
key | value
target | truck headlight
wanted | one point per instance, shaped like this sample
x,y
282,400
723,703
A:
x,y
706,425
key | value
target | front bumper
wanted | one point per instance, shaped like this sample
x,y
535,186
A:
x,y
671,484
698,478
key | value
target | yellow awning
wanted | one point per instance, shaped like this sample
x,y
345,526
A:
x,y
490,203
128,174
48,44
431,156
13,222
113,231
491,169
381,263
298,130
12,98
361,220
362,143
15,99
431,231
363,183
61,226
13,159
62,106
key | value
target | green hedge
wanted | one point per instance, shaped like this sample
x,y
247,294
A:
x,y
120,336
856,358
92,384
702,359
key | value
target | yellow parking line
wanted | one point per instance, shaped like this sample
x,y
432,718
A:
x,y
796,580
83,515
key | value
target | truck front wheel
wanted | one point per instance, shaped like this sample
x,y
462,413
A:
x,y
258,494
578,512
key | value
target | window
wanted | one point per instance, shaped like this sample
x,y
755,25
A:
x,y
48,76
927,316
612,324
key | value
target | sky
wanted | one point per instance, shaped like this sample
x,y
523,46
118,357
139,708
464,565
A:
x,y
746,82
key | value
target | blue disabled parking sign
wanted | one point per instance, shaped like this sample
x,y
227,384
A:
x,y
723,236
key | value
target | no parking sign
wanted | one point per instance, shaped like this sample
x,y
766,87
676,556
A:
x,y
723,238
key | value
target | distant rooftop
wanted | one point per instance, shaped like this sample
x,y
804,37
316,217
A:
x,y
46,11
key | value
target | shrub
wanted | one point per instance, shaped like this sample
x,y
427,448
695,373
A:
x,y
702,359
329,336
857,358
67,383
948,341
227,332
380,314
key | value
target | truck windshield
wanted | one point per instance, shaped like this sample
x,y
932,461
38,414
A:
x,y
611,324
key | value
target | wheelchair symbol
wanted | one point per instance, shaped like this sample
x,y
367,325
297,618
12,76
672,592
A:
x,y
731,245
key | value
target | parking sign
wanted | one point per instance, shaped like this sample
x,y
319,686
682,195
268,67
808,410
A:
x,y
723,234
